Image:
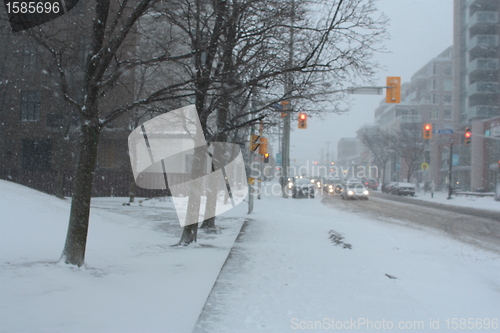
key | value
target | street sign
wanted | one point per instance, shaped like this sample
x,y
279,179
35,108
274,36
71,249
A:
x,y
454,159
278,159
444,131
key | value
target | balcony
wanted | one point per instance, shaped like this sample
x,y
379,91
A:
x,y
483,88
482,5
482,111
482,65
482,42
483,23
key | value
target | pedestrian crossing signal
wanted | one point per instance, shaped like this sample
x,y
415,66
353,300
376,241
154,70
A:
x,y
393,89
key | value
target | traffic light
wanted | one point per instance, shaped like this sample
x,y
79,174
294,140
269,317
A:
x,y
467,135
393,90
284,107
266,158
427,131
263,146
302,120
254,142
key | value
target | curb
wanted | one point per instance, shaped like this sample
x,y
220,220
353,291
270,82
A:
x,y
204,310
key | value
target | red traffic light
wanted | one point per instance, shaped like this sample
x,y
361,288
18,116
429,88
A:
x,y
302,120
427,131
467,135
266,155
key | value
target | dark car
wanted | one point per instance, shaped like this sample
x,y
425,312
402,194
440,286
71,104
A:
x,y
371,183
302,187
403,189
386,188
332,185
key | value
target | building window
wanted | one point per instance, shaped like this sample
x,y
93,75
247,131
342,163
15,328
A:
x,y
434,114
447,70
447,114
447,99
30,57
435,85
435,99
30,105
37,154
447,84
435,69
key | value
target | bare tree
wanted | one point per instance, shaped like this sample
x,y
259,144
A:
x,y
410,145
381,145
245,47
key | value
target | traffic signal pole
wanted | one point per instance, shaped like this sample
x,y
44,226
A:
x,y
287,120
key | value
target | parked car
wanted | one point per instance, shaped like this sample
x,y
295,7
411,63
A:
x,y
302,187
403,189
386,188
355,191
371,183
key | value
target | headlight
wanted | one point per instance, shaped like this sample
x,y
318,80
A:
x,y
330,190
365,192
330,186
350,193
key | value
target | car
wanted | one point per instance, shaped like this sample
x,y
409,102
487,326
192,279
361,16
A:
x,y
332,185
371,183
403,189
317,182
355,190
386,188
302,187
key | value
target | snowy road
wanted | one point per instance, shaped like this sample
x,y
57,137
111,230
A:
x,y
303,265
476,227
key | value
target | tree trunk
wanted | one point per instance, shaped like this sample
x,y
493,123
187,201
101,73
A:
x,y
189,234
76,239
210,205
60,170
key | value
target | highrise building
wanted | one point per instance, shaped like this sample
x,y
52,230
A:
x,y
477,56
476,95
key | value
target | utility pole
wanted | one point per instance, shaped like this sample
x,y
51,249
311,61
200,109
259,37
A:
x,y
250,184
450,190
328,154
287,119
261,178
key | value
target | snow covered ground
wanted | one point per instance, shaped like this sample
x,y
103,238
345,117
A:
x,y
487,203
134,281
298,265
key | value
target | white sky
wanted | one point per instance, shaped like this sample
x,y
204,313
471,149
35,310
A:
x,y
419,30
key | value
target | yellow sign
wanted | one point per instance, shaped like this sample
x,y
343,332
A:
x,y
424,166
